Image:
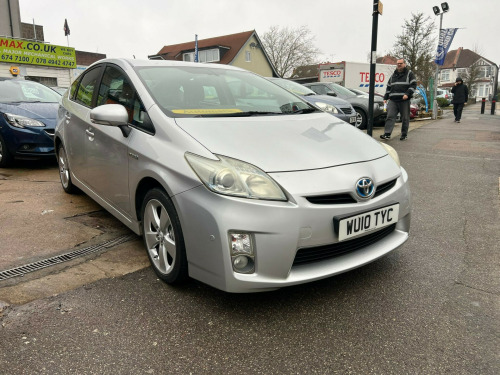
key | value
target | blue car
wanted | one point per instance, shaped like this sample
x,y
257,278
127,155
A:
x,y
28,112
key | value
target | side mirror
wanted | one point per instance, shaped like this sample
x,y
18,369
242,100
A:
x,y
111,115
331,93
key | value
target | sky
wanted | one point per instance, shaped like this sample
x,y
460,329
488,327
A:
x,y
342,28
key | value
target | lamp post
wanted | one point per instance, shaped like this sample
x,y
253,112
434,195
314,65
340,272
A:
x,y
438,12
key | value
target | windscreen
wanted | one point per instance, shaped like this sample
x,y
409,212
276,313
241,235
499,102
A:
x,y
188,91
17,90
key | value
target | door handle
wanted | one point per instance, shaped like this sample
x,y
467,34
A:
x,y
89,133
67,115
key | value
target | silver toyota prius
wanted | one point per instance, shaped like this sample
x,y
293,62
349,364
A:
x,y
229,178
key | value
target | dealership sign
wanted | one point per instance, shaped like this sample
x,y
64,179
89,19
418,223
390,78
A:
x,y
17,51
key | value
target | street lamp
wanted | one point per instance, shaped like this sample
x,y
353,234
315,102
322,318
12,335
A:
x,y
437,12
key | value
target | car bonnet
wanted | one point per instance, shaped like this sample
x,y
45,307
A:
x,y
44,112
286,142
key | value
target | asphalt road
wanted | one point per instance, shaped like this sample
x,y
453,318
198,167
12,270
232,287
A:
x,y
431,307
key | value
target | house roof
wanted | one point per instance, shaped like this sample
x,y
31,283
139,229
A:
x,y
387,59
234,43
462,58
306,71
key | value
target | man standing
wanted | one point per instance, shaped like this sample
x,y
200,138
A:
x,y
460,96
400,89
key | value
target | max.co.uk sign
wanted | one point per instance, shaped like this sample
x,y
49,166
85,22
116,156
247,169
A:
x,y
28,52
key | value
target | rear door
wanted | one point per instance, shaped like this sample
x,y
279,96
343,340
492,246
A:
x,y
77,118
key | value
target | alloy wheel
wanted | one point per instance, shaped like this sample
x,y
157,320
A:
x,y
159,236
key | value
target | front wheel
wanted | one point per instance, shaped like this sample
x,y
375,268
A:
x,y
163,237
360,119
5,156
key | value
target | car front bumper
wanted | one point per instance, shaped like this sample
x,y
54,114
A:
x,y
280,229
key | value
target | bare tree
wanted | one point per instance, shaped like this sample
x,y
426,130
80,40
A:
x,y
289,48
473,72
417,46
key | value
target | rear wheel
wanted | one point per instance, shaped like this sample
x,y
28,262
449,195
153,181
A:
x,y
5,156
64,172
163,237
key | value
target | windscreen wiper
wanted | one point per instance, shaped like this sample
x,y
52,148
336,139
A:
x,y
241,114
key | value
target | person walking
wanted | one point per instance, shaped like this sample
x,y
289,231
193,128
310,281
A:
x,y
460,97
400,89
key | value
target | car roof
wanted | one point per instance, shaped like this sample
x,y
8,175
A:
x,y
154,63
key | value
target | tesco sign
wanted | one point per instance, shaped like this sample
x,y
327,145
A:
x,y
365,77
332,73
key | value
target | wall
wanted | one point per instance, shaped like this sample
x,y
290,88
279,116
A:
x,y
258,63
10,21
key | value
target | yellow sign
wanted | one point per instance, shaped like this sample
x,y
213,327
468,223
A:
x,y
14,70
203,111
28,52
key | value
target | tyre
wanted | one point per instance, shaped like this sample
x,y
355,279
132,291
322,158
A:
x,y
5,156
163,237
361,121
64,172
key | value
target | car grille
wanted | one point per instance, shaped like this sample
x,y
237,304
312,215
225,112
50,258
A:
x,y
346,198
347,111
319,253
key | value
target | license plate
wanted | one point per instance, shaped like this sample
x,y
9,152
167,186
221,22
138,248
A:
x,y
355,225
352,119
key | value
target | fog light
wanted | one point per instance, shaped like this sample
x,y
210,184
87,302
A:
x,y
242,252
240,262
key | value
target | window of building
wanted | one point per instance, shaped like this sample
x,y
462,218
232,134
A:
x,y
445,75
208,55
485,72
248,56
47,81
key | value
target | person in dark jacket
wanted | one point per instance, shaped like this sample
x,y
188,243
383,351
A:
x,y
400,89
460,97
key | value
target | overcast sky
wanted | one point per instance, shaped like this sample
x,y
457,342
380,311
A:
x,y
342,28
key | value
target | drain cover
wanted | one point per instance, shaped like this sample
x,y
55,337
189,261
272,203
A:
x,y
35,266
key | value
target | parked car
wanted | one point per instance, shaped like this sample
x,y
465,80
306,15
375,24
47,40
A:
x,y
28,112
335,106
359,102
230,179
363,93
441,93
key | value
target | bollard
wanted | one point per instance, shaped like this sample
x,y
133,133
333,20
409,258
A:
x,y
483,103
493,102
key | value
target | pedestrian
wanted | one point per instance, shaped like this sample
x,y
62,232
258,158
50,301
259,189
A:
x,y
400,89
460,96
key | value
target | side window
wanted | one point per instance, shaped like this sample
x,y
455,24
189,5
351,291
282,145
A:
x,y
86,88
318,89
116,89
74,85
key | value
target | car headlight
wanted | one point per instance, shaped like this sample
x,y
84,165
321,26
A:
x,y
392,153
236,178
22,122
327,107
